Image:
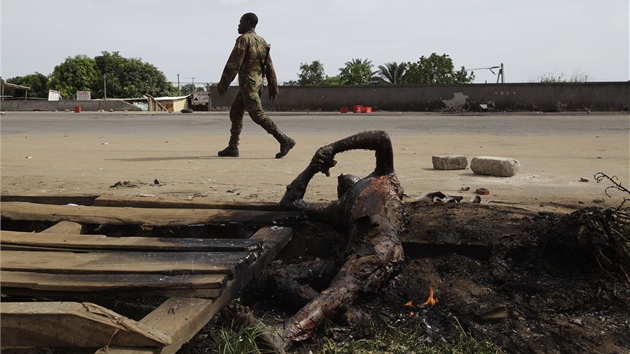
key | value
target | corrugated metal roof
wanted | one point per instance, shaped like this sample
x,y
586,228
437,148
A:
x,y
14,86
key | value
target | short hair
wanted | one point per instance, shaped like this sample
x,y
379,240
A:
x,y
251,18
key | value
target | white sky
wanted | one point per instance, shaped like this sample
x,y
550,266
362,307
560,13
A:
x,y
531,38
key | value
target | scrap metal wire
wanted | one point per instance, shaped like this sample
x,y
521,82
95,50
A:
x,y
622,211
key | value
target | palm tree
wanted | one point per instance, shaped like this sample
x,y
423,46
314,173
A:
x,y
392,73
357,72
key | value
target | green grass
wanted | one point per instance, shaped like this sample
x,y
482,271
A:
x,y
389,341
407,340
241,340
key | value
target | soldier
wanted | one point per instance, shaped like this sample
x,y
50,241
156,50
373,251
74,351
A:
x,y
370,211
250,60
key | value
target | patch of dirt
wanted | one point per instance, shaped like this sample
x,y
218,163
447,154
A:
x,y
529,282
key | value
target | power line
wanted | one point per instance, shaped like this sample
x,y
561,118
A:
x,y
500,76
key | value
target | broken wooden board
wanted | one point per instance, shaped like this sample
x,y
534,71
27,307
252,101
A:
x,y
144,202
50,283
29,240
152,217
182,318
72,324
198,275
126,262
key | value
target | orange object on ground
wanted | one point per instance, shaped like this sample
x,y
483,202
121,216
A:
x,y
482,191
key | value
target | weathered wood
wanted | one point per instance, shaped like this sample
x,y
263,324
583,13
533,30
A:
x,y
82,199
181,319
126,262
64,227
132,293
144,202
72,324
274,239
156,217
201,275
107,282
126,243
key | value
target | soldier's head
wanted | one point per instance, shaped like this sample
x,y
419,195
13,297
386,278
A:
x,y
247,23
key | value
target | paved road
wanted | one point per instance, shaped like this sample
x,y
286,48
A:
x,y
217,123
64,152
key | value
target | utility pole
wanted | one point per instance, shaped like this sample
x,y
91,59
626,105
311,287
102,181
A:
x,y
105,86
193,89
501,75
179,92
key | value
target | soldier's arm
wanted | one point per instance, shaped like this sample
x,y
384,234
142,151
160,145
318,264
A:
x,y
272,80
233,64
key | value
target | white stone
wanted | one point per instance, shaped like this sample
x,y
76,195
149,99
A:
x,y
450,162
494,166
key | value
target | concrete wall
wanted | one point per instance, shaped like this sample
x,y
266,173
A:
x,y
604,96
596,96
43,105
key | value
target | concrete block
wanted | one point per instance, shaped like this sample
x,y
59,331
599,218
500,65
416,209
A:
x,y
494,166
450,162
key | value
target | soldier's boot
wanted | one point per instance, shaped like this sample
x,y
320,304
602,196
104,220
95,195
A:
x,y
286,143
232,149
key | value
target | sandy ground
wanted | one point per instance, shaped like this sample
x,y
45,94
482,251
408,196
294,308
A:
x,y
186,166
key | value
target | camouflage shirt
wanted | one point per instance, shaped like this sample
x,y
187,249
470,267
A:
x,y
246,60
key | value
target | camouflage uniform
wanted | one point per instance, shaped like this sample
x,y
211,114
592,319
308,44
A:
x,y
246,60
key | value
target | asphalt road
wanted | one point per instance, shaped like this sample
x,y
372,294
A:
x,y
86,153
217,123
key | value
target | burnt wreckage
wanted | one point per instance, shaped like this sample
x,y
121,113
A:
x,y
370,211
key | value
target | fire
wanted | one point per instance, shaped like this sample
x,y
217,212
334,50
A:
x,y
431,301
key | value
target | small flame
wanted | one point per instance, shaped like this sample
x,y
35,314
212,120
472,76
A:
x,y
431,301
410,304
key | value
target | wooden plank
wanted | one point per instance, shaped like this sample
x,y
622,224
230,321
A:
x,y
108,282
175,293
102,242
181,319
81,199
126,262
146,202
64,227
156,217
72,324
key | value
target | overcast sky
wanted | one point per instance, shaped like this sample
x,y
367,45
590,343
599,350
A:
x,y
531,38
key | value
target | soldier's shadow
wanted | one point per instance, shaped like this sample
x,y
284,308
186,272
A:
x,y
175,158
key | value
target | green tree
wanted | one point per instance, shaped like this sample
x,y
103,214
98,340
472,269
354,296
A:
x,y
332,81
391,73
311,74
209,85
37,82
190,88
436,69
74,74
129,77
357,72
186,89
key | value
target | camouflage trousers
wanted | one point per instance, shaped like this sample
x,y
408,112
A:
x,y
250,102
